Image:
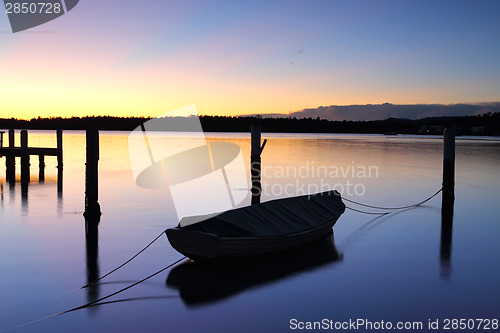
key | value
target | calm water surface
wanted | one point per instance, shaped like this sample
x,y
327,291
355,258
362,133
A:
x,y
390,268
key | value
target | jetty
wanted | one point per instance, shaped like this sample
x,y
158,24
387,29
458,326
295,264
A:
x,y
24,152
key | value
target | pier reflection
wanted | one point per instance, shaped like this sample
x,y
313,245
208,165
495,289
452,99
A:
x,y
25,186
200,284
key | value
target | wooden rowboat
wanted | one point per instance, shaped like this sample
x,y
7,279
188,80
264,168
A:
x,y
272,226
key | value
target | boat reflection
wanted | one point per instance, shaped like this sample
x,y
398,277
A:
x,y
202,283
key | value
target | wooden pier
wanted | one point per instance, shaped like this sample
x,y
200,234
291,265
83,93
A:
x,y
24,152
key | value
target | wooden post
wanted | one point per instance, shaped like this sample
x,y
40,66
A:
x,y
59,138
255,163
11,138
1,138
25,158
59,135
10,160
41,168
448,201
92,212
448,198
92,207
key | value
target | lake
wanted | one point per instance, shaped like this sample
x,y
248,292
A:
x,y
375,270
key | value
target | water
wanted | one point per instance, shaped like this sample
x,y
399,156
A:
x,y
387,268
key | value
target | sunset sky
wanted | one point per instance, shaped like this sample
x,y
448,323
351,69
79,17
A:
x,y
144,58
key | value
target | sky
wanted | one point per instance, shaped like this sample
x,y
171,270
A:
x,y
144,58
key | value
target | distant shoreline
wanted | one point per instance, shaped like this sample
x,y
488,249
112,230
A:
x,y
483,125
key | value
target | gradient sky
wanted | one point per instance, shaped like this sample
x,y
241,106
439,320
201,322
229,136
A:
x,y
144,58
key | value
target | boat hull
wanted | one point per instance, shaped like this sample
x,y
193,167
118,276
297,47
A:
x,y
200,245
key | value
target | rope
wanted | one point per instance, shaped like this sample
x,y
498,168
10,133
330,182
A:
x,y
389,208
369,213
135,299
368,226
96,302
121,290
126,262
346,199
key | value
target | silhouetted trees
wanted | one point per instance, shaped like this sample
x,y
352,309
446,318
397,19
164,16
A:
x,y
486,124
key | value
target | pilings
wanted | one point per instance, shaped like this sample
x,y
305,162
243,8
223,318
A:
x,y
448,198
24,152
92,212
10,160
448,201
59,139
25,158
255,163
92,207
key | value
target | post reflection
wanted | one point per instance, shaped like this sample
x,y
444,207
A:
x,y
41,168
446,235
24,198
200,284
12,190
59,182
24,183
92,254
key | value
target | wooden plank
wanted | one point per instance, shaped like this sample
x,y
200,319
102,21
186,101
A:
x,y
16,151
43,151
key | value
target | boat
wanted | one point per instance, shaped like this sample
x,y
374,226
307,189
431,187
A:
x,y
260,229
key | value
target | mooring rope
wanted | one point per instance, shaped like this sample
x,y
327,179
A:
x,y
96,302
370,225
121,290
126,262
99,301
387,208
346,199
365,212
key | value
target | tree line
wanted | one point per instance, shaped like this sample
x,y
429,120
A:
x,y
486,124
